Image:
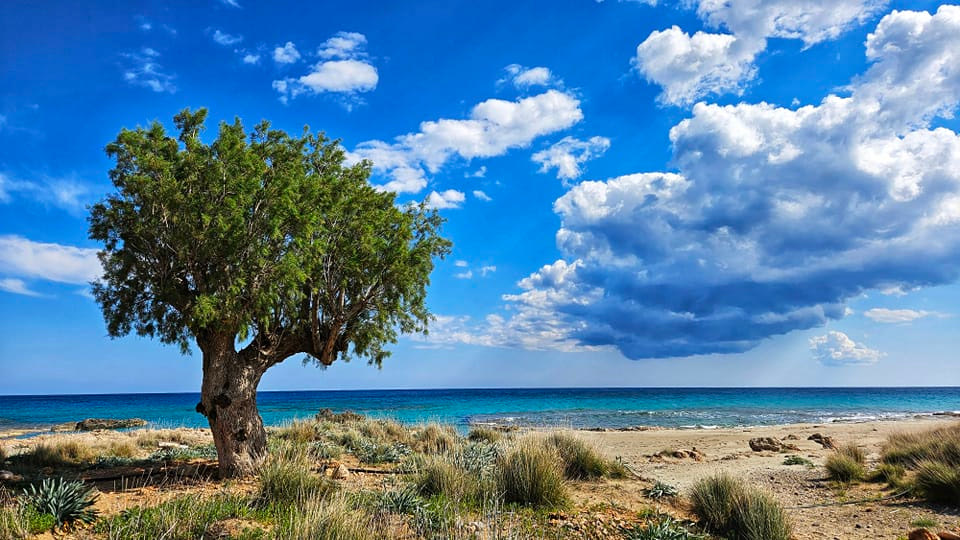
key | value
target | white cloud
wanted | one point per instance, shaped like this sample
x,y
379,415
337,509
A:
x,y
479,173
690,67
251,58
524,77
287,54
489,269
24,258
775,218
345,70
16,286
344,45
884,315
450,198
481,195
468,274
231,3
461,263
568,154
65,193
837,349
494,127
143,69
225,39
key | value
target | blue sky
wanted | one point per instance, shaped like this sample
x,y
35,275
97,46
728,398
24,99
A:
x,y
698,193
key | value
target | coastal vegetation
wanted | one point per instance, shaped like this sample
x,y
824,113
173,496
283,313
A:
x,y
260,238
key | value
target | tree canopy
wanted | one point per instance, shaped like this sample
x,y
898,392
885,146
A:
x,y
269,238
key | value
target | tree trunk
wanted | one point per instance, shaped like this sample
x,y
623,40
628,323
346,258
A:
x,y
228,398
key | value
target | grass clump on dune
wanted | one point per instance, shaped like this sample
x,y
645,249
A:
x,y
59,454
928,461
333,518
438,475
580,460
532,474
183,518
285,478
846,464
435,439
730,508
484,434
938,482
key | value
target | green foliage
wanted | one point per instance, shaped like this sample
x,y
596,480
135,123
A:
x,y
580,460
67,501
938,482
285,478
924,522
14,524
797,460
477,458
400,501
661,490
207,451
373,453
893,475
853,452
438,475
325,519
58,454
712,500
324,450
532,474
484,434
664,528
730,508
910,449
186,517
264,236
843,468
436,439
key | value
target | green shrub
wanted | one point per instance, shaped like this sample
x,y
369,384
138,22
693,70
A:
x,y
758,516
797,460
374,453
661,490
532,474
664,528
399,501
477,458
435,439
14,524
67,501
324,519
298,431
438,475
938,482
853,452
891,474
712,500
484,434
285,478
843,468
580,460
324,450
730,508
910,449
186,517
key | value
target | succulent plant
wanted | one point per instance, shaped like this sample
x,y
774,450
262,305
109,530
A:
x,y
67,501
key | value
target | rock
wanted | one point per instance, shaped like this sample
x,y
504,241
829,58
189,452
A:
x,y
341,472
7,476
68,426
761,444
921,534
947,535
681,453
166,444
91,424
791,437
826,442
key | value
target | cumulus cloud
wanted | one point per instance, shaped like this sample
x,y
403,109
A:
x,y
837,349
690,67
488,269
524,77
345,69
450,198
466,274
775,218
568,154
225,39
287,54
142,68
251,58
493,127
26,259
884,315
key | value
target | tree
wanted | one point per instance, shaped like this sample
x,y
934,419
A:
x,y
259,248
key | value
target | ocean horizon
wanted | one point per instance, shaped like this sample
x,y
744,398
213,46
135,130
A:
x,y
581,408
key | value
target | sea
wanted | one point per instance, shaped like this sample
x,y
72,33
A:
x,y
581,408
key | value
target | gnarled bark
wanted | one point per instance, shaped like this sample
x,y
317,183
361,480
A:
x,y
228,398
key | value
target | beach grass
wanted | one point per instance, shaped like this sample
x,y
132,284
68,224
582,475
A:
x,y
731,508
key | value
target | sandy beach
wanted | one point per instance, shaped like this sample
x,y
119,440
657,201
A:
x,y
819,508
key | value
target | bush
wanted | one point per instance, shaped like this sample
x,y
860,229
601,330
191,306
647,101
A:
x,y
580,460
532,474
436,439
893,475
938,482
758,516
665,528
484,434
13,523
661,490
58,454
439,476
910,449
728,507
797,460
399,501
843,468
285,478
298,431
186,517
373,453
67,501
853,452
324,519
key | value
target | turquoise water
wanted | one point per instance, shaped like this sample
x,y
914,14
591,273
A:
x,y
579,408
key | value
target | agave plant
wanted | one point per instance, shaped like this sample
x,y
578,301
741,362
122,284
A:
x,y
661,490
67,501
